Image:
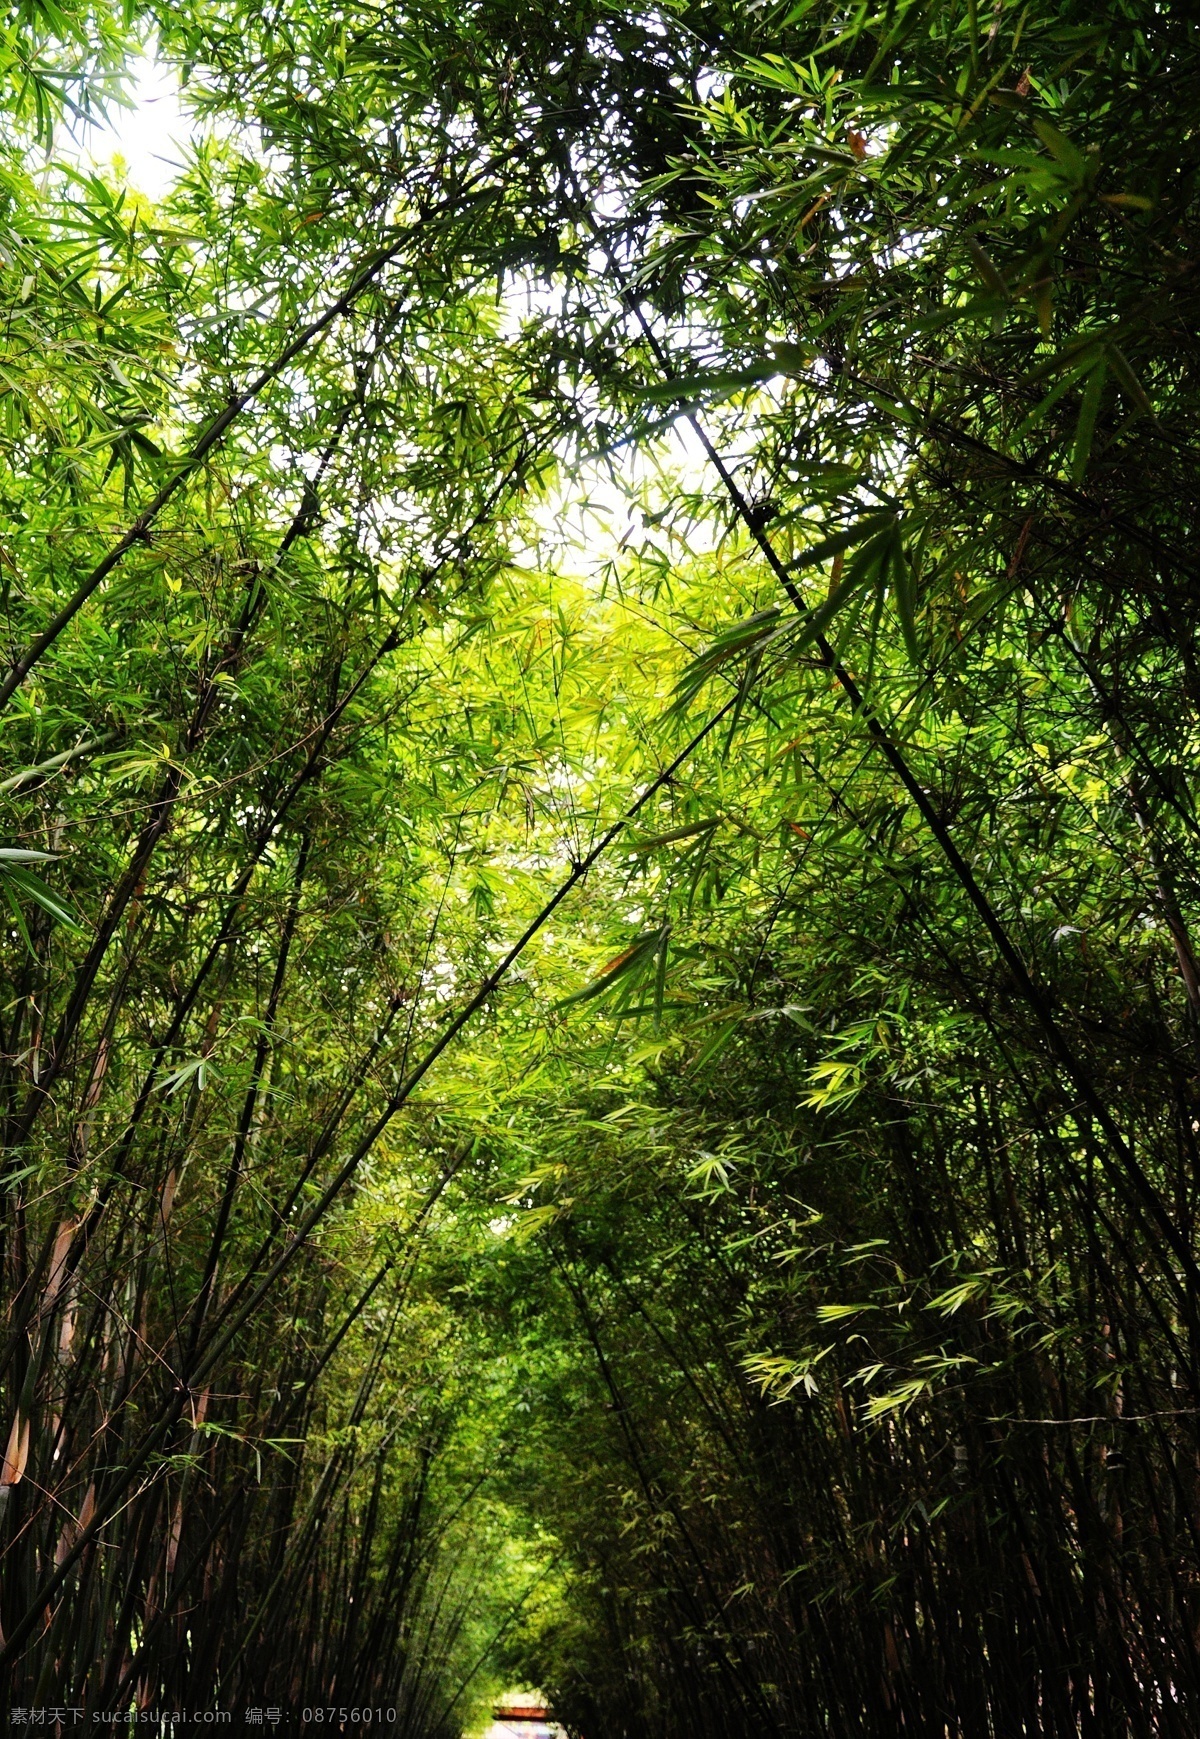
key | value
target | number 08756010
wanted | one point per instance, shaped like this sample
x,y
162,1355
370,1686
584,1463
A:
x,y
334,1715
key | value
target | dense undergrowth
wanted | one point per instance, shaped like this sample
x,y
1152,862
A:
x,y
601,1063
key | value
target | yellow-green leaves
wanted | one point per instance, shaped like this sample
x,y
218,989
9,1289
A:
x,y
742,643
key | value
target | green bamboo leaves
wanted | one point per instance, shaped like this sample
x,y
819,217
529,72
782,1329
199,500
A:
x,y
20,882
379,1311
706,385
879,562
1085,365
742,643
639,968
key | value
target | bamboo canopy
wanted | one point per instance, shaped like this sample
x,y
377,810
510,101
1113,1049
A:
x,y
600,1036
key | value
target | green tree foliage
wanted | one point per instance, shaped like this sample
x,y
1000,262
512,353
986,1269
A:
x,y
600,1046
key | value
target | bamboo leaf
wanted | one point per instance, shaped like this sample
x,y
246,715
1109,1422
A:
x,y
839,542
625,971
1060,148
677,834
1085,427
706,384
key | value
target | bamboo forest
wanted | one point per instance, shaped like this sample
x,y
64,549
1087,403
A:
x,y
600,774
